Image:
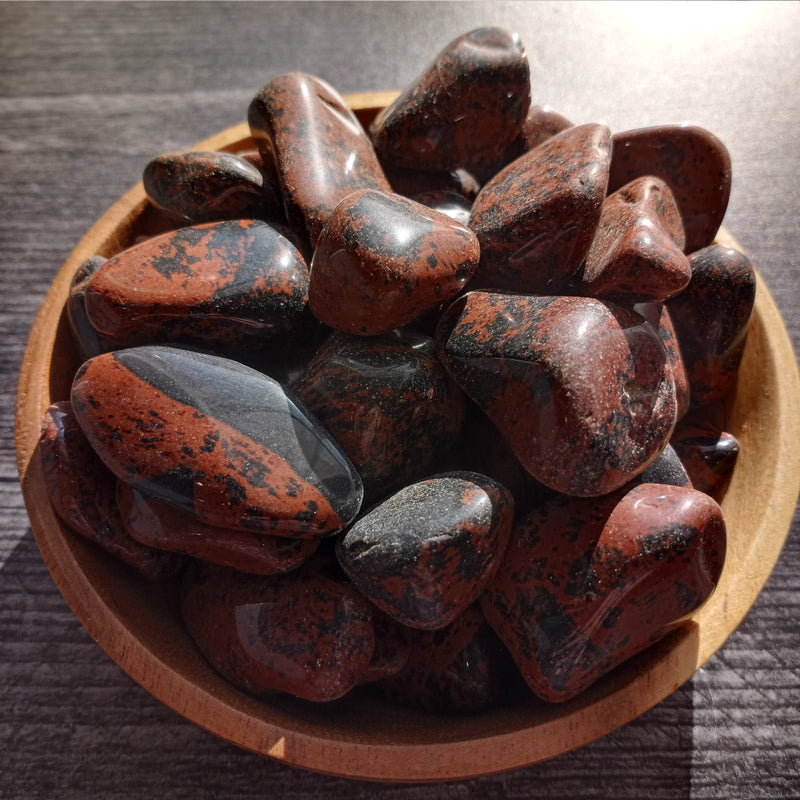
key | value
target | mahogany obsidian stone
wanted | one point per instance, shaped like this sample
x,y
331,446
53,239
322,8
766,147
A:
x,y
305,633
82,493
411,182
451,204
382,260
708,454
221,441
318,149
577,386
535,220
425,553
228,283
388,403
463,110
695,165
586,584
89,341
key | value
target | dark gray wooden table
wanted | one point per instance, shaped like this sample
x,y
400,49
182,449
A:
x,y
90,91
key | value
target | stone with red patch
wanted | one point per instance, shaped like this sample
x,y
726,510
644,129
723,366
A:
x,y
708,454
382,260
586,584
425,553
221,441
578,387
537,217
316,146
693,162
465,107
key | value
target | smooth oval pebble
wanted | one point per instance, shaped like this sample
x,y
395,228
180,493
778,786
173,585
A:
x,y
382,260
425,553
217,439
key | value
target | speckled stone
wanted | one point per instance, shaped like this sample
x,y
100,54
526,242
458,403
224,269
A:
x,y
693,162
587,584
572,376
82,490
465,107
536,219
220,284
305,633
157,524
222,442
382,260
708,454
637,252
425,553
319,150
712,318
388,403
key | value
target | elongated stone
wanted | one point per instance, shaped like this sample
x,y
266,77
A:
x,y
535,220
465,107
382,260
219,440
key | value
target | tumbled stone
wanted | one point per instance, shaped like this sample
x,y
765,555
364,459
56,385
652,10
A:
x,y
304,633
411,182
693,162
157,524
667,469
220,284
387,402
318,149
535,220
708,454
463,110
711,318
450,204
82,493
425,553
88,340
219,440
391,651
577,387
637,252
587,584
382,259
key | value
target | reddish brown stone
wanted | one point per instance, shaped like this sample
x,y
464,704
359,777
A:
x,y
411,182
708,454
450,204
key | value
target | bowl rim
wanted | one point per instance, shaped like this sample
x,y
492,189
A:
x,y
766,411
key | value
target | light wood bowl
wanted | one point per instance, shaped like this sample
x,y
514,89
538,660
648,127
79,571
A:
x,y
362,735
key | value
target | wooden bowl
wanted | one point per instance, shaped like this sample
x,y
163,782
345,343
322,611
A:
x,y
362,735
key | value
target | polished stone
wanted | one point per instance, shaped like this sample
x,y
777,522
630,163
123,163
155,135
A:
x,y
708,454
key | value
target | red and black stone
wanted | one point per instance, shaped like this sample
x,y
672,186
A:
x,y
586,584
695,165
209,186
154,523
637,252
411,182
451,204
462,668
466,107
304,633
392,648
536,219
387,402
426,553
223,442
578,387
382,260
712,317
82,493
319,151
708,454
221,285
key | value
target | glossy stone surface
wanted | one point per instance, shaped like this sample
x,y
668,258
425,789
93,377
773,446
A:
x,y
462,668
219,440
708,454
693,162
711,319
450,204
586,584
388,403
425,553
221,284
319,151
536,219
88,340
82,491
637,252
304,633
465,107
157,524
411,182
382,259
577,387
